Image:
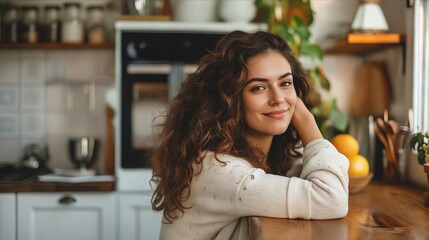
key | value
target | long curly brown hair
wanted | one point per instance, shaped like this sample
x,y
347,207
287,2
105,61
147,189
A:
x,y
207,115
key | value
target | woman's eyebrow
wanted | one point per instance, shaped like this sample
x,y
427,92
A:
x,y
266,80
285,75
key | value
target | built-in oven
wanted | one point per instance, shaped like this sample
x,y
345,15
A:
x,y
152,58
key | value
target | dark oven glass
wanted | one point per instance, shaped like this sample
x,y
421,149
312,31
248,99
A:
x,y
152,67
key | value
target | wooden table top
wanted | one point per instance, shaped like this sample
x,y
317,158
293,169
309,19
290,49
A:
x,y
380,211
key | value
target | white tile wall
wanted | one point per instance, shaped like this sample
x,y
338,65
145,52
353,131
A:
x,y
45,99
8,98
81,65
9,66
8,125
9,149
32,67
56,65
33,98
57,98
32,124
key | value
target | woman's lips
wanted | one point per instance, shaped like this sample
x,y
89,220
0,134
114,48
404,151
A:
x,y
276,114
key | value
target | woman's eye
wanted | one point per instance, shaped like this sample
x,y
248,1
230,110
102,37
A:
x,y
286,83
257,88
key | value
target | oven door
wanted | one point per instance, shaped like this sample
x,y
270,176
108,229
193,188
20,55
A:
x,y
145,94
144,98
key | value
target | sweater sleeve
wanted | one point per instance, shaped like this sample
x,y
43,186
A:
x,y
323,184
321,191
236,188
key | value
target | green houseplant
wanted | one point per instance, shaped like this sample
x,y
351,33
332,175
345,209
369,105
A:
x,y
292,19
420,144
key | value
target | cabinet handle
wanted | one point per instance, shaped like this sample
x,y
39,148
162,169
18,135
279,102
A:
x,y
67,199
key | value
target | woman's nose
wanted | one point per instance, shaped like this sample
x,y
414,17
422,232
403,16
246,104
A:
x,y
276,97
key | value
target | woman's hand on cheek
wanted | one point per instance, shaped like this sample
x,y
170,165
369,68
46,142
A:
x,y
300,112
304,122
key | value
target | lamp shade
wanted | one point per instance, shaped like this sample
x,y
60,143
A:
x,y
369,18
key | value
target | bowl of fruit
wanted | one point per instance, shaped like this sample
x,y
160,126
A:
x,y
359,172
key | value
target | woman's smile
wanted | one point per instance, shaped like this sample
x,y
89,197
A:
x,y
278,114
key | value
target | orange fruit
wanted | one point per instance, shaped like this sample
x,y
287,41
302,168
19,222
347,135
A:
x,y
359,166
346,144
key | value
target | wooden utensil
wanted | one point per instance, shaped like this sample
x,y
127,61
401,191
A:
x,y
383,140
389,137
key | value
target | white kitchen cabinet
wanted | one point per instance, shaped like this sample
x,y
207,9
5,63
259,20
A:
x,y
7,216
137,220
53,216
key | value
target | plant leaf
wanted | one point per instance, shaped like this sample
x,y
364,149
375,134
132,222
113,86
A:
x,y
311,50
323,79
338,118
305,10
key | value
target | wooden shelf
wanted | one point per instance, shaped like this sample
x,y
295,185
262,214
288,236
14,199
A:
x,y
361,44
49,46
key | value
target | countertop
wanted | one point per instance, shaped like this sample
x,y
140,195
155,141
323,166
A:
x,y
33,185
380,211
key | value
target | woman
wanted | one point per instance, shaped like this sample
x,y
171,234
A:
x,y
230,137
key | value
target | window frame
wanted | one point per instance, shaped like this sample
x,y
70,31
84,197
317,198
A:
x,y
421,66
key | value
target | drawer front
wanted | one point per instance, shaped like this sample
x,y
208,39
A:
x,y
66,216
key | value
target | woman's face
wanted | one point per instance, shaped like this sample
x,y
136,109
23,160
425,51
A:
x,y
269,96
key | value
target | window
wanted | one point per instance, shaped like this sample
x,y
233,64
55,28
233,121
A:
x,y
421,66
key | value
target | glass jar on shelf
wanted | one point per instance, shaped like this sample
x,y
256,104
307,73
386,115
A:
x,y
95,28
30,27
11,24
111,14
72,30
52,24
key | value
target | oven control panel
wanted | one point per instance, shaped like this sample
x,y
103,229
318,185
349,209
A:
x,y
167,47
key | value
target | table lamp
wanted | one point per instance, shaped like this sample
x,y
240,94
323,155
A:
x,y
369,18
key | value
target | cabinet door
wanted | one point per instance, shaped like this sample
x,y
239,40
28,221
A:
x,y
137,220
66,216
7,216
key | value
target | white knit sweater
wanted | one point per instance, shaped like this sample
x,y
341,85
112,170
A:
x,y
225,193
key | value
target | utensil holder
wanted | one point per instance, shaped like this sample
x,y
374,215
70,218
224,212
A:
x,y
395,174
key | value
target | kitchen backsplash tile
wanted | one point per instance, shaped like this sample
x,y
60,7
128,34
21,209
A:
x,y
81,65
10,150
58,123
48,96
8,99
56,98
9,55
82,98
59,156
32,68
9,66
105,63
32,124
56,65
32,98
40,141
82,125
8,124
